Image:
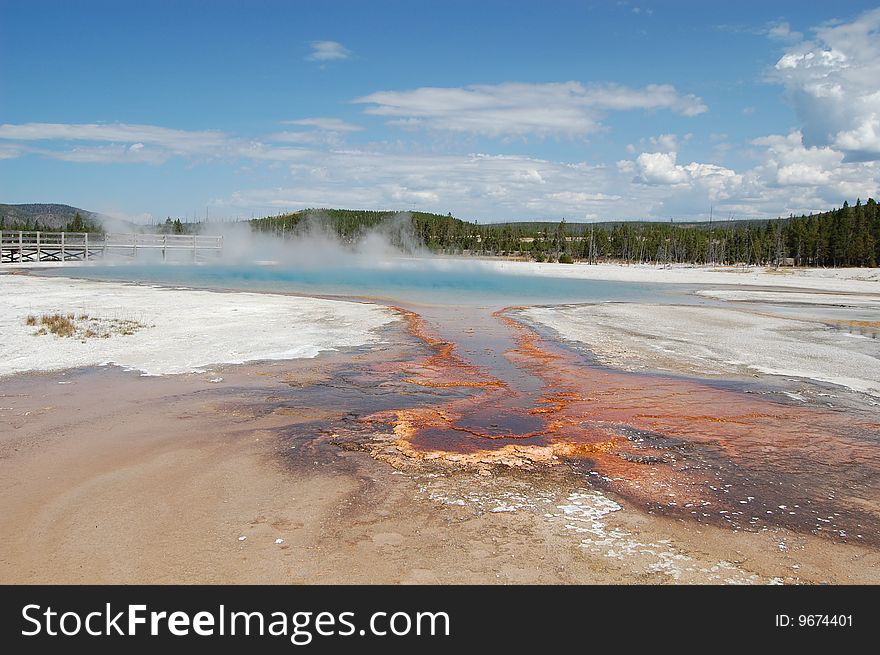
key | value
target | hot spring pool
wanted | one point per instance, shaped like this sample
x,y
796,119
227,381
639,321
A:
x,y
424,281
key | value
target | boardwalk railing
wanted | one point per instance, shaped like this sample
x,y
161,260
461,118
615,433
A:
x,y
23,247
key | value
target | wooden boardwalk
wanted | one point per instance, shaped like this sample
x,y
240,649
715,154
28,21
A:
x,y
26,247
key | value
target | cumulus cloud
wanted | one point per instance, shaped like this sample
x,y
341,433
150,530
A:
x,y
834,84
520,109
789,163
660,168
821,170
710,181
327,51
790,177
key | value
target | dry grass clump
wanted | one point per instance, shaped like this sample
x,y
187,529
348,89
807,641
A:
x,y
125,327
63,326
83,326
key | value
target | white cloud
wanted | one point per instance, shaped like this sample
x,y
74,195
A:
x,y
704,182
175,141
107,154
325,123
789,163
821,170
491,187
790,177
660,168
297,137
781,31
10,150
315,169
834,84
259,151
327,131
328,51
579,197
520,109
494,187
313,137
663,143
125,143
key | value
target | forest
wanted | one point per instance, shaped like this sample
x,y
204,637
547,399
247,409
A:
x,y
848,236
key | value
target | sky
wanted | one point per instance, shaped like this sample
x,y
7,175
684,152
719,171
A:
x,y
491,111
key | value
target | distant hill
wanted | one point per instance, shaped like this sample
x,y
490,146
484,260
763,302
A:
x,y
44,216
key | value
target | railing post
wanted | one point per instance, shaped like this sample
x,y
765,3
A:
x,y
39,251
87,246
63,254
20,246
164,247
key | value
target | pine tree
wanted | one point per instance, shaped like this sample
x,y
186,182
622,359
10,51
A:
x,y
77,224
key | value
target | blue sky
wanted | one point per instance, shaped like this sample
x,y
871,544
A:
x,y
489,110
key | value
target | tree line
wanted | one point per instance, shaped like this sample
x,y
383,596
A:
x,y
848,236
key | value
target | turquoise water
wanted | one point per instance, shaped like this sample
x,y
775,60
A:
x,y
421,281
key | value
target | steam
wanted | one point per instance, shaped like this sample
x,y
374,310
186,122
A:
x,y
112,223
313,243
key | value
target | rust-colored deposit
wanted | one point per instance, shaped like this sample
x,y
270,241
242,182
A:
x,y
672,445
444,368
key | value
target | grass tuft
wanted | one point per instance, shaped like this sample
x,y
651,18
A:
x,y
64,325
57,324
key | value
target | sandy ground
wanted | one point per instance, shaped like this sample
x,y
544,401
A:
x,y
178,330
184,480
